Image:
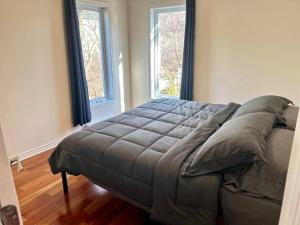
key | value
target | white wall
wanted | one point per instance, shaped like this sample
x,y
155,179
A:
x,y
243,49
246,49
35,105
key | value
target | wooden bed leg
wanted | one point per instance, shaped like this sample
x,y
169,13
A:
x,y
64,182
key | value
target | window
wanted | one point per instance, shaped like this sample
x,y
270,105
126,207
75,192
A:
x,y
167,41
95,40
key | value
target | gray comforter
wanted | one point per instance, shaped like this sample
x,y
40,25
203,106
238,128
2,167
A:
x,y
139,155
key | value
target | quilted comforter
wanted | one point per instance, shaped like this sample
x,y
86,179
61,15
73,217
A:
x,y
139,156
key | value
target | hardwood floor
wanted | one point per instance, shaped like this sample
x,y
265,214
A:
x,y
42,200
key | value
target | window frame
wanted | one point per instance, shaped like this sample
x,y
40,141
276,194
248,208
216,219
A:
x,y
154,47
106,48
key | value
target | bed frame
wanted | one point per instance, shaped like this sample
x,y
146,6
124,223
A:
x,y
64,182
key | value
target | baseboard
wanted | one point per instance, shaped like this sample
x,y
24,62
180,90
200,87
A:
x,y
45,147
39,149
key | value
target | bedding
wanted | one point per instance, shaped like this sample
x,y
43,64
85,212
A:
x,y
265,180
141,156
181,199
291,114
243,209
269,103
239,141
254,195
131,154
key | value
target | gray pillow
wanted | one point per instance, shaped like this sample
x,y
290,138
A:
x,y
239,141
268,103
291,114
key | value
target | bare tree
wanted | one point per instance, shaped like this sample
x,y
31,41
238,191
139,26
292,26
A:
x,y
170,38
91,45
171,41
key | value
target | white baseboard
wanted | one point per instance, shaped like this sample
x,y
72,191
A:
x,y
39,149
45,147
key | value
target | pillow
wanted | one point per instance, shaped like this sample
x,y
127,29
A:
x,y
291,114
268,103
267,180
238,142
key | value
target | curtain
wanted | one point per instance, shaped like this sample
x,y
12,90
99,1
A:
x,y
79,90
186,91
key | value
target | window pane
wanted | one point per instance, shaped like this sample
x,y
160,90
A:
x,y
90,25
171,28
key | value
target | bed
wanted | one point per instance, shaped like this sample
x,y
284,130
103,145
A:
x,y
148,157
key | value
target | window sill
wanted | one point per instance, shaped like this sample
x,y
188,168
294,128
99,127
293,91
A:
x,y
99,105
103,110
165,96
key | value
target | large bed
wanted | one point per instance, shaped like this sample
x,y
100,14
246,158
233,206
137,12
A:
x,y
150,157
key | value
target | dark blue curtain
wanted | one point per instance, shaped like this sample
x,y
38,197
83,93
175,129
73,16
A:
x,y
186,91
79,90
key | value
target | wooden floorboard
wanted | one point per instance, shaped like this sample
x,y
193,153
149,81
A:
x,y
42,200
